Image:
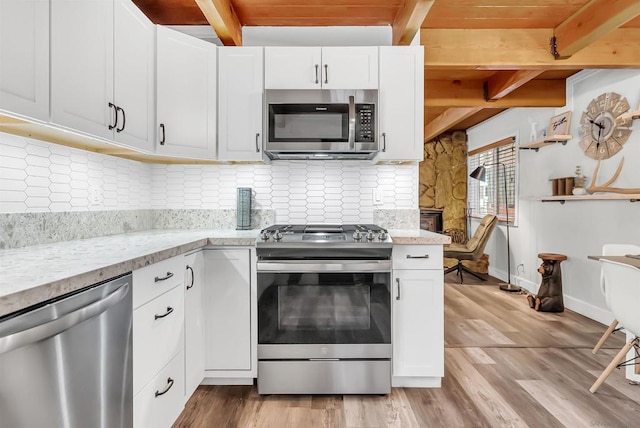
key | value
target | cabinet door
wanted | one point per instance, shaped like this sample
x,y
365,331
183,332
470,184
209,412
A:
x,y
418,325
24,58
240,88
292,67
350,67
186,95
193,323
401,103
227,308
82,65
134,74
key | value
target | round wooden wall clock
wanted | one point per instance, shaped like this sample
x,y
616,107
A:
x,y
602,130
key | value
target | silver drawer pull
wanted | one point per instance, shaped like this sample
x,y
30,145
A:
x,y
170,382
169,310
169,275
398,295
426,256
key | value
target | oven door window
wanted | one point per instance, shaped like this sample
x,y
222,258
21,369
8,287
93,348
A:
x,y
305,308
313,123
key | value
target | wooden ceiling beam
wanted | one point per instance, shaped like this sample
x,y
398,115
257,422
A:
x,y
590,22
503,83
223,19
447,120
514,49
469,93
408,20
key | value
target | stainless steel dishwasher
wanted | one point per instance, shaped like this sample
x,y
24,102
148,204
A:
x,y
67,362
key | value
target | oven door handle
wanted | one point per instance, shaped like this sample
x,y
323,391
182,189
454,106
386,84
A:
x,y
302,266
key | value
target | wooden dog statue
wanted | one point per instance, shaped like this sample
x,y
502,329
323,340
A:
x,y
549,298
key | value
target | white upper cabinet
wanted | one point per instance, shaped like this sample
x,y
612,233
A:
x,y
186,95
134,76
82,66
240,89
401,103
24,58
321,68
102,70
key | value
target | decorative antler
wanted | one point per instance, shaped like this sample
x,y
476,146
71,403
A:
x,y
604,187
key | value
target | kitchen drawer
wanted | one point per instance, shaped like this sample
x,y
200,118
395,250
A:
x,y
153,409
417,257
153,280
157,338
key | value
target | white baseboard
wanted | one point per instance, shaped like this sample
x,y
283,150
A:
x,y
416,382
588,310
226,381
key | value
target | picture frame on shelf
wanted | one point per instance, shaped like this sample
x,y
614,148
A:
x,y
559,124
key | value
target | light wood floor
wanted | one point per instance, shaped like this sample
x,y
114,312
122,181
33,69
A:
x,y
505,365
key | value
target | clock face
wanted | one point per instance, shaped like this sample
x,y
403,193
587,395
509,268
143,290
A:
x,y
602,130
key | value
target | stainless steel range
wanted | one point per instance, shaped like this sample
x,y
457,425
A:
x,y
324,309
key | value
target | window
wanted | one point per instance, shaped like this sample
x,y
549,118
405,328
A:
x,y
489,197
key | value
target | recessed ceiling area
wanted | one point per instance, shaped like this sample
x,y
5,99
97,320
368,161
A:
x,y
481,56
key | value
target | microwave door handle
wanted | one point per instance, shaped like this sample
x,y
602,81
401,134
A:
x,y
352,123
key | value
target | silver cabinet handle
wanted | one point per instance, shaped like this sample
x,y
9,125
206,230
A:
x,y
65,322
164,278
257,145
193,278
384,141
326,73
170,383
169,311
317,81
398,295
426,256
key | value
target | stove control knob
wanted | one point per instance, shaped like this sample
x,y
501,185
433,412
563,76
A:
x,y
264,235
370,235
383,235
277,236
357,235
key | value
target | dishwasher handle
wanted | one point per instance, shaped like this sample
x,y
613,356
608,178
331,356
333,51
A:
x,y
65,322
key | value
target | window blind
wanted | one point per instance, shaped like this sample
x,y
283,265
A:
x,y
489,197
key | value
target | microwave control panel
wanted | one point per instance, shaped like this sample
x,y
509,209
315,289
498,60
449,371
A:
x,y
365,123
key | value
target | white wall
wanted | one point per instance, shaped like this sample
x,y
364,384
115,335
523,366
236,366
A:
x,y
577,228
36,176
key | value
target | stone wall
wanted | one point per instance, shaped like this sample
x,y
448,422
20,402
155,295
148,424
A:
x,y
443,178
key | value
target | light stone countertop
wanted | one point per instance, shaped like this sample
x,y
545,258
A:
x,y
31,275
418,236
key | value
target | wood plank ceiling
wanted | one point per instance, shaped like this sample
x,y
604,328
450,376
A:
x,y
481,56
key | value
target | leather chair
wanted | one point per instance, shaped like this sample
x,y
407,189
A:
x,y
473,249
622,294
612,250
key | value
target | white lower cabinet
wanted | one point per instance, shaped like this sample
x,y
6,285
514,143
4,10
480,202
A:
x,y
161,401
229,314
418,316
193,323
158,343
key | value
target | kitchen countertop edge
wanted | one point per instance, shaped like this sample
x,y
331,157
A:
x,y
34,293
417,237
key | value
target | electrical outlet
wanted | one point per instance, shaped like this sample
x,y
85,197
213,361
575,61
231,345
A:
x,y
95,195
377,196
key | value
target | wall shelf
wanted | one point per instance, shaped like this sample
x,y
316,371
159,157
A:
x,y
552,139
601,197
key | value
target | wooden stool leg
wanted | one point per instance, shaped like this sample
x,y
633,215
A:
x,y
605,336
612,365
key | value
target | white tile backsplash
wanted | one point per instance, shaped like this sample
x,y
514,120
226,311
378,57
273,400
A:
x,y
36,176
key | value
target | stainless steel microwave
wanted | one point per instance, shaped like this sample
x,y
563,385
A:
x,y
321,125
